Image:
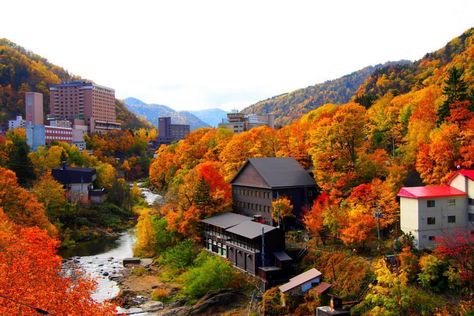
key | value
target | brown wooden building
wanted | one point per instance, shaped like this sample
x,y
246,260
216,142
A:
x,y
261,180
251,246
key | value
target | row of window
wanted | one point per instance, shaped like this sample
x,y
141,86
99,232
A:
x,y
253,206
432,203
254,193
432,220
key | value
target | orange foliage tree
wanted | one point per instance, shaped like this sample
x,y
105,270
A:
x,y
334,144
436,159
314,218
30,273
21,206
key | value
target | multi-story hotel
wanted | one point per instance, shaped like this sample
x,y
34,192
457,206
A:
x,y
87,100
240,122
168,133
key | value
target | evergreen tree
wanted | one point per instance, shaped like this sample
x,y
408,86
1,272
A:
x,y
19,162
454,90
202,195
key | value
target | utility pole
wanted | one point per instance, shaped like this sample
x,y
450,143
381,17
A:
x,y
378,215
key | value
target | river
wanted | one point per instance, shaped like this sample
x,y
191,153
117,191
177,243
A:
x,y
102,259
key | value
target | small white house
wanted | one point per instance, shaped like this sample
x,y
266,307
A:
x,y
431,211
302,283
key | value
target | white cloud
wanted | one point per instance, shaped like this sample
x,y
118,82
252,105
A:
x,y
200,54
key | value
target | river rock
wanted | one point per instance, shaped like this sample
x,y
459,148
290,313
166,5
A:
x,y
151,305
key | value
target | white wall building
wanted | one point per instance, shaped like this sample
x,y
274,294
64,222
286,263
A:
x,y
431,211
16,123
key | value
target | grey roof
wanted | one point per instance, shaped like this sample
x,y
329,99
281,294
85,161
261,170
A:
x,y
250,229
226,220
282,256
279,172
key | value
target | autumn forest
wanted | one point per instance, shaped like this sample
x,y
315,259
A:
x,y
405,124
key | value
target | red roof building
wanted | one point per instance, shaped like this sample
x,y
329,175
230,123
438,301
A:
x,y
436,211
434,191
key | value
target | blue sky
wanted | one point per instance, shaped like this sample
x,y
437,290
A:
x,y
201,54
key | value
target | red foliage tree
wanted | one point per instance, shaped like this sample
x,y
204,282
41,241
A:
x,y
30,273
459,248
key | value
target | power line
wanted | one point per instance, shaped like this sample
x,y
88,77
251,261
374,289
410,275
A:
x,y
37,309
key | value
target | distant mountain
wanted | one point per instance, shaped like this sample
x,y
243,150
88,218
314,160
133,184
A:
x,y
22,70
290,106
151,112
211,116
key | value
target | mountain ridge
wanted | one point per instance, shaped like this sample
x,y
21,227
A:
x,y
292,105
151,112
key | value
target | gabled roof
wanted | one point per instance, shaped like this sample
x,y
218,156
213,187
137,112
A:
x,y
430,192
226,220
68,175
300,279
465,172
279,172
250,229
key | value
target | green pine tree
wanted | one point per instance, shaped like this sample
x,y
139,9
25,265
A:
x,y
19,162
455,90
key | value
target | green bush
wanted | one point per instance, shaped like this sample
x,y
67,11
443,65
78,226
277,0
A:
x,y
164,238
210,273
180,256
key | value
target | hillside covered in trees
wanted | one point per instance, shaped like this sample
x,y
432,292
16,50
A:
x,y
406,123
290,106
22,71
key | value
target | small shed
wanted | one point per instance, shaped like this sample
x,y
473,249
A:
x,y
301,283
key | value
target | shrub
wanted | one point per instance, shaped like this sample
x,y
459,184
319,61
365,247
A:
x,y
210,273
180,256
271,303
138,271
160,294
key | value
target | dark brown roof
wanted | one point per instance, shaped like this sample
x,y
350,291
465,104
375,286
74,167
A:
x,y
226,220
279,172
322,287
250,229
68,175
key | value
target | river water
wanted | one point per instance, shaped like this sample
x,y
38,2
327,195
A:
x,y
102,259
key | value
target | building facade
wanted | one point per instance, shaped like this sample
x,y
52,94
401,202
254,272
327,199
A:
x,y
262,180
169,133
83,99
16,123
57,133
438,211
239,122
250,246
76,181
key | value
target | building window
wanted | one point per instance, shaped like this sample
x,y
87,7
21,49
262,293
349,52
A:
x,y
451,219
431,238
451,202
471,217
430,203
470,201
431,220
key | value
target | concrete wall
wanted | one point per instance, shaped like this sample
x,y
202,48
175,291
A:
x,y
415,214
